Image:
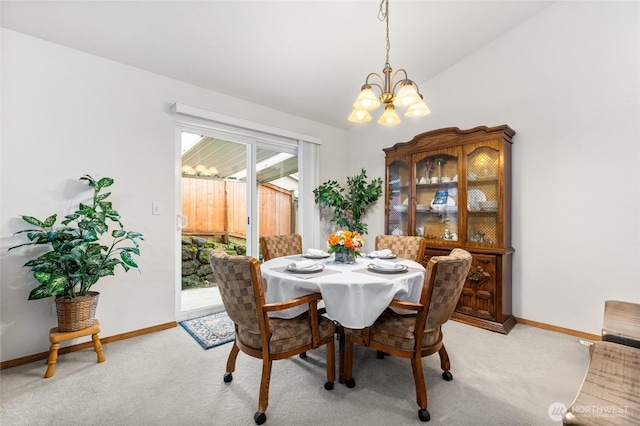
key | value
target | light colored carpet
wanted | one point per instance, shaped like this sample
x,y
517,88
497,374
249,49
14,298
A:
x,y
166,378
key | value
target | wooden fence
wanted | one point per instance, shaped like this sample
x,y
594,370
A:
x,y
218,208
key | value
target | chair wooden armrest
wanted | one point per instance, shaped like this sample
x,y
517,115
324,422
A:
x,y
310,298
402,304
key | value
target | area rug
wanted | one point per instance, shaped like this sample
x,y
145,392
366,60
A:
x,y
210,330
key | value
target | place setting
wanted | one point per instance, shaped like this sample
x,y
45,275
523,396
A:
x,y
315,254
305,269
385,267
381,254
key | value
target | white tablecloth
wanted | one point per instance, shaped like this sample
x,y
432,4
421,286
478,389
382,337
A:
x,y
352,295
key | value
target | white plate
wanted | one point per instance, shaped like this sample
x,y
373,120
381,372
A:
x,y
375,268
422,207
475,196
316,256
389,256
401,208
310,270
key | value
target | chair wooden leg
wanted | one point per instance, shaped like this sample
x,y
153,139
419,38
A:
x,y
341,354
348,361
331,364
231,361
418,378
263,400
444,359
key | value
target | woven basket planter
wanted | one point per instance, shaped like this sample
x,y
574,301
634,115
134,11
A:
x,y
77,313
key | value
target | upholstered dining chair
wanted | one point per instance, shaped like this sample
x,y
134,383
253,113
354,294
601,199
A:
x,y
403,246
261,336
273,246
395,334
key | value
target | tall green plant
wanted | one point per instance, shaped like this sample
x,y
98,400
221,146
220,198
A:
x,y
78,259
349,204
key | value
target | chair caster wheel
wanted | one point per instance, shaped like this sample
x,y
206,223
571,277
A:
x,y
424,415
259,417
228,377
351,383
328,385
447,376
303,355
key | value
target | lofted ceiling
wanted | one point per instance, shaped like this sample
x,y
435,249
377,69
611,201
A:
x,y
306,58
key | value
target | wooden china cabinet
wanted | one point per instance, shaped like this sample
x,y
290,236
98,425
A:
x,y
453,187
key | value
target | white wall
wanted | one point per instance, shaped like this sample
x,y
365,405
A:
x,y
66,113
567,81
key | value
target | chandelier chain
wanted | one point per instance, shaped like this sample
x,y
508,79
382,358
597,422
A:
x,y
383,15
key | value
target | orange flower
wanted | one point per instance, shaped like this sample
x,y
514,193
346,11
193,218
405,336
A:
x,y
345,238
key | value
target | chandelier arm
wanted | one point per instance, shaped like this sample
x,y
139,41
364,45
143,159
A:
x,y
413,84
398,71
378,86
374,74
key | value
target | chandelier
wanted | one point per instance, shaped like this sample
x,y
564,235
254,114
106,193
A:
x,y
408,92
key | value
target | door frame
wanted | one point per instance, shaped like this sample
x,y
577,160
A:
x,y
196,120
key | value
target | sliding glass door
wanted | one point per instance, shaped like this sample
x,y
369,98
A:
x,y
231,193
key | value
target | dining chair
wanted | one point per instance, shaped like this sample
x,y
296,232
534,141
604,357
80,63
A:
x,y
403,246
395,334
260,336
273,246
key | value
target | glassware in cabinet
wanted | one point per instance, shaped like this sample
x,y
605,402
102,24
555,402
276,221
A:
x,y
398,197
437,195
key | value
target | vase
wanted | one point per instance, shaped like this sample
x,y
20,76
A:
x,y
345,255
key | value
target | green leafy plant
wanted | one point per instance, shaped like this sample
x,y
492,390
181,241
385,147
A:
x,y
349,204
78,258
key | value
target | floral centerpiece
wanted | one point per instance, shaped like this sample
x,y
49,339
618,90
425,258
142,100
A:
x,y
346,245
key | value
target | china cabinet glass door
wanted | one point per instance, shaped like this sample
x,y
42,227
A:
x,y
483,196
399,197
437,195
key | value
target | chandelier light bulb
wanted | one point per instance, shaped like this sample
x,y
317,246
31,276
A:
x,y
407,95
419,109
389,117
359,116
367,99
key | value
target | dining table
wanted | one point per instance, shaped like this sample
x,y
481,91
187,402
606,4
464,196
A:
x,y
354,294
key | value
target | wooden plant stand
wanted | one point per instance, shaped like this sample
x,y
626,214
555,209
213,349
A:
x,y
56,337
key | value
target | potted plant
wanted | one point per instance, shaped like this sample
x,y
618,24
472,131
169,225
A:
x,y
78,257
349,204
